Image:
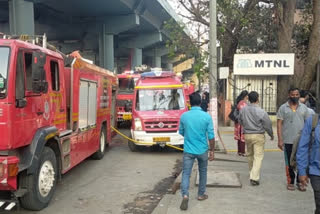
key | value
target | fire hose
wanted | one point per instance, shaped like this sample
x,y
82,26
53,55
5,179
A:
x,y
142,143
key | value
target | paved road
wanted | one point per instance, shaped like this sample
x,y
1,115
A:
x,y
122,182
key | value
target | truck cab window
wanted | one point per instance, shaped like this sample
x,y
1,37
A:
x,y
54,70
28,67
20,83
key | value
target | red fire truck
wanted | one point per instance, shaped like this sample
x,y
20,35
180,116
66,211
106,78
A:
x,y
159,100
127,81
53,115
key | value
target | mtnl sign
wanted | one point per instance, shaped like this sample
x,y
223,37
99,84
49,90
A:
x,y
263,64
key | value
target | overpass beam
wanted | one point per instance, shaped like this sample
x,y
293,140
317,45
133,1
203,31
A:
x,y
21,17
118,24
142,41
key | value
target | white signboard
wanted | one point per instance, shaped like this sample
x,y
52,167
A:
x,y
263,64
223,73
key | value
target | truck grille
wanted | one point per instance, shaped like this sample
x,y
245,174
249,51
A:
x,y
164,125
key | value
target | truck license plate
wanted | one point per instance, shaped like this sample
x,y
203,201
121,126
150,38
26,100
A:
x,y
127,117
161,139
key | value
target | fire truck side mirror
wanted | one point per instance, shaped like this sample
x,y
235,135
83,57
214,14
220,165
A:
x,y
39,83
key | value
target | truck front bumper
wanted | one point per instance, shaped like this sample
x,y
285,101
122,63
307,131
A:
x,y
172,138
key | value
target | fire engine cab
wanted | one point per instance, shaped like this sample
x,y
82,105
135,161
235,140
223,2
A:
x,y
159,100
55,111
127,81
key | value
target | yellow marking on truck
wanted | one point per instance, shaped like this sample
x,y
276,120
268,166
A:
x,y
53,94
56,122
103,113
50,135
60,116
158,86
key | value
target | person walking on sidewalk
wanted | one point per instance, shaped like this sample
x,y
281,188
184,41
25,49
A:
x,y
255,122
197,127
290,120
308,156
241,102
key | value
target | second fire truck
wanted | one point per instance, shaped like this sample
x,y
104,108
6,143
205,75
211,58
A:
x,y
159,100
127,82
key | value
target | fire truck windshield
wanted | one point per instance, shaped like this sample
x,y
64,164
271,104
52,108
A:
x,y
160,99
4,60
126,85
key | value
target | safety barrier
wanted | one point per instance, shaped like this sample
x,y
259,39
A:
x,y
143,143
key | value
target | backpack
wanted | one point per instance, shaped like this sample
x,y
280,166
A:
x,y
234,114
293,158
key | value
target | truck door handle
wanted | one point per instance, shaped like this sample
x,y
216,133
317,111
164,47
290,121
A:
x,y
62,110
39,112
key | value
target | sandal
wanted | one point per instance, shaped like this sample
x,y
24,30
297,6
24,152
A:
x,y
290,187
203,197
301,187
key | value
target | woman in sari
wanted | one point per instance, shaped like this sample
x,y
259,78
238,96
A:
x,y
238,129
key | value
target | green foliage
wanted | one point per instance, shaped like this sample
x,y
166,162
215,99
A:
x,y
302,31
180,44
253,29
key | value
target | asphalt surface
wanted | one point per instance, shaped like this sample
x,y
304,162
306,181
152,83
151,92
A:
x,y
122,182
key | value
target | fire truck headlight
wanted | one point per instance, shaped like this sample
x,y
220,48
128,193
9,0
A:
x,y
137,124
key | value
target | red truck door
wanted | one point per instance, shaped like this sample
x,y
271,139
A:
x,y
56,91
26,118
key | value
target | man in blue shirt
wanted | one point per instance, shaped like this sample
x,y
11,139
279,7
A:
x,y
308,159
196,126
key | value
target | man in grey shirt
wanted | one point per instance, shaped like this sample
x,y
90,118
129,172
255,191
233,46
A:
x,y
290,120
255,122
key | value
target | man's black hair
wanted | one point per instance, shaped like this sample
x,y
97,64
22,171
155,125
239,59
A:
x,y
294,89
253,96
195,99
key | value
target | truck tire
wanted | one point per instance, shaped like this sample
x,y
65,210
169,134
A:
x,y
132,146
98,155
42,184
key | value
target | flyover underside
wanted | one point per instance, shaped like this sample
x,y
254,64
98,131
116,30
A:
x,y
111,33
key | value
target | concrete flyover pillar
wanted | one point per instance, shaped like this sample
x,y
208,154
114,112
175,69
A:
x,y
157,60
21,17
136,58
106,49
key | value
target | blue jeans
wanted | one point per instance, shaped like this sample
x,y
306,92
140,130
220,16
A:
x,y
188,160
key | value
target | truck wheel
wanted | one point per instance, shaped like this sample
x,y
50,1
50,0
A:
x,y
98,155
42,184
132,146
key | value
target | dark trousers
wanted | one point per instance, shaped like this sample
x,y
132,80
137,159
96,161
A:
x,y
241,147
315,183
291,175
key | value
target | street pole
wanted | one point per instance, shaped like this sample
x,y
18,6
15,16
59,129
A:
x,y
213,50
213,74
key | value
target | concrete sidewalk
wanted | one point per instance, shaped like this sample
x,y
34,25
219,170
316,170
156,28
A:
x,y
270,197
